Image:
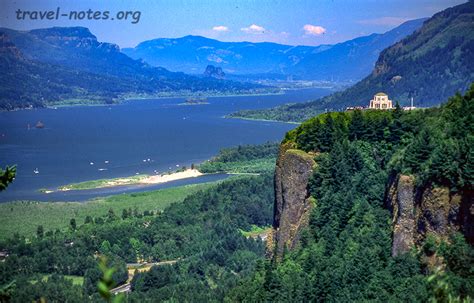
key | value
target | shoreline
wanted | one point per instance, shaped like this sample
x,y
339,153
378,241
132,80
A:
x,y
281,92
261,120
141,180
121,100
127,181
132,98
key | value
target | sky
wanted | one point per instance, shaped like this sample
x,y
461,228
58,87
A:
x,y
293,22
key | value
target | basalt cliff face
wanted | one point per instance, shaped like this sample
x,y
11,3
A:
x,y
292,200
418,212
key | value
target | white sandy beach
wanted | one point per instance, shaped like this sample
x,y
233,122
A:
x,y
138,180
189,173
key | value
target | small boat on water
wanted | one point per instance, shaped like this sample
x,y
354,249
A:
x,y
36,171
39,124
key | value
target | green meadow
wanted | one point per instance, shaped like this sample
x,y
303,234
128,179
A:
x,y
23,217
76,280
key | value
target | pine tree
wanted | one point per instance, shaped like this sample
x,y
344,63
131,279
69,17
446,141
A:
x,y
88,220
72,224
40,231
418,152
357,126
326,135
467,169
111,215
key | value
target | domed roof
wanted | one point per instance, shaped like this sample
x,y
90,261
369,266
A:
x,y
381,94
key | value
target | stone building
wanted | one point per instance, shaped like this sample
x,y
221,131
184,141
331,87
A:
x,y
380,101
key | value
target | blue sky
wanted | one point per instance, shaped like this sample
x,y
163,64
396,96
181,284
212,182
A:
x,y
294,22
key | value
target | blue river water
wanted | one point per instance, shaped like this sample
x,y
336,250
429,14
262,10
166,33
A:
x,y
136,137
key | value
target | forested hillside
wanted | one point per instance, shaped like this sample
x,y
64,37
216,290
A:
x,y
252,159
345,251
25,83
429,65
62,64
202,233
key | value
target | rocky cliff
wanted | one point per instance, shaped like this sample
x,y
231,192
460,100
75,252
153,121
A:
x,y
292,201
418,212
214,72
401,202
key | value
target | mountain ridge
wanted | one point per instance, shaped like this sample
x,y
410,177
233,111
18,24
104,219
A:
x,y
191,54
429,65
63,63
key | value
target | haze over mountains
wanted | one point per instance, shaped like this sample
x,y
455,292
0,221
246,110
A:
x,y
25,83
54,64
430,65
350,60
45,66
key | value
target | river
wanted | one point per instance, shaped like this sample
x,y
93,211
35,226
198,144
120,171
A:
x,y
136,137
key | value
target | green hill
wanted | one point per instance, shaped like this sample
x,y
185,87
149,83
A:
x,y
353,246
430,65
59,64
345,247
25,83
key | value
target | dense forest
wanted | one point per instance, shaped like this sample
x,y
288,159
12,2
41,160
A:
x,y
345,252
203,233
429,65
243,159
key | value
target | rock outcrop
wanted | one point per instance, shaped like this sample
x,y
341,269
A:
x,y
292,201
402,202
418,212
214,72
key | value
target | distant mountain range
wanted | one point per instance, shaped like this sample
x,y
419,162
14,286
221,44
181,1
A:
x,y
53,64
429,65
350,60
27,83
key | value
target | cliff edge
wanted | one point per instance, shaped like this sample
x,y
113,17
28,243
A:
x,y
418,212
292,200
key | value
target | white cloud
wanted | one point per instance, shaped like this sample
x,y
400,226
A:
x,y
220,28
253,29
313,30
388,21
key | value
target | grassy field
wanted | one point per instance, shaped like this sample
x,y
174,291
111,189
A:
x,y
100,183
112,182
23,217
255,231
76,280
